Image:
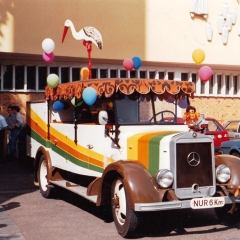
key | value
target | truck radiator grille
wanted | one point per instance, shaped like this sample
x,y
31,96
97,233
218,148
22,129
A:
x,y
188,175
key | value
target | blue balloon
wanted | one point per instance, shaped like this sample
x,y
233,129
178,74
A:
x,y
89,96
137,62
58,106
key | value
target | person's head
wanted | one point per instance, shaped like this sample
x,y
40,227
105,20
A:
x,y
9,110
191,109
15,109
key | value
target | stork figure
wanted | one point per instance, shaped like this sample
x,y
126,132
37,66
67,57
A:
x,y
89,35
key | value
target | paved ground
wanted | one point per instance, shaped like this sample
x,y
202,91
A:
x,y
15,178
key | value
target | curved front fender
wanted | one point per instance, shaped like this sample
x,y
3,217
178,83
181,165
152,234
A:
x,y
234,164
139,184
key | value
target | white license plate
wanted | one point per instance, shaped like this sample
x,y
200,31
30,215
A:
x,y
197,203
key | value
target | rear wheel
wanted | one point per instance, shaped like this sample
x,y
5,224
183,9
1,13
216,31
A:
x,y
228,214
236,154
126,220
42,178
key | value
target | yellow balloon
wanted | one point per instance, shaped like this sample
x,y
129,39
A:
x,y
198,56
84,73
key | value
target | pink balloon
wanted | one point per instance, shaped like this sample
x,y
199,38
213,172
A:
x,y
205,73
128,64
48,57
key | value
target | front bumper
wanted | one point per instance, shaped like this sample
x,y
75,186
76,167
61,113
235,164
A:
x,y
171,205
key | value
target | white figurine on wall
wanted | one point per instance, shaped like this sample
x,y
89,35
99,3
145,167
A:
x,y
199,7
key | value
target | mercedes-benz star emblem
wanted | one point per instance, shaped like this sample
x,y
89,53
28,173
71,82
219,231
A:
x,y
193,159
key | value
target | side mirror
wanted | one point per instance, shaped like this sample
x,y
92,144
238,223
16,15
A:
x,y
103,117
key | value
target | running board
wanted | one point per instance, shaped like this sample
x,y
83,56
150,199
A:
x,y
73,187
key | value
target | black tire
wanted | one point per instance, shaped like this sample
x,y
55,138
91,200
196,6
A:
x,y
42,178
226,217
236,154
126,220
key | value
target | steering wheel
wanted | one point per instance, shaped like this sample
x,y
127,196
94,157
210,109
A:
x,y
166,119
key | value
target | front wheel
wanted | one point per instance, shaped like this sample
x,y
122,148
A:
x,y
126,220
228,214
42,178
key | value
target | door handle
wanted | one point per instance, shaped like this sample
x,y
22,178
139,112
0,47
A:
x,y
90,146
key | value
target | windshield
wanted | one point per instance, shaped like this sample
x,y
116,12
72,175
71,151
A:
x,y
141,111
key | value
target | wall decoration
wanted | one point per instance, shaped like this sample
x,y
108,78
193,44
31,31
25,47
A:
x,y
89,35
220,22
209,31
199,7
225,34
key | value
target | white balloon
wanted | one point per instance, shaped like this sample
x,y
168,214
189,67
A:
x,y
48,45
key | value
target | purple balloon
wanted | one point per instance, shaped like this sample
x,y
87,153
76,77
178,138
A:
x,y
183,103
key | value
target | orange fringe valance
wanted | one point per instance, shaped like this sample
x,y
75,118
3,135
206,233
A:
x,y
107,87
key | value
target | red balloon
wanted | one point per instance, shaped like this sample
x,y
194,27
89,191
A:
x,y
48,57
128,64
205,73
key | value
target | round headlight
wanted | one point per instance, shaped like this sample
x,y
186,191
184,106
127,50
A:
x,y
164,178
223,173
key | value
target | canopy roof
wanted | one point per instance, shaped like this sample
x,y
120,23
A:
x,y
107,87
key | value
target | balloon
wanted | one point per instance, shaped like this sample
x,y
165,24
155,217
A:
x,y
58,106
52,80
205,73
48,57
170,99
84,73
76,102
198,56
128,64
137,62
48,45
183,103
89,96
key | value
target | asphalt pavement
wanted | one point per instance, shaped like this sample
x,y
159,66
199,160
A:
x,y
15,178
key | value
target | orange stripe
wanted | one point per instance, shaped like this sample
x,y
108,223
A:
x,y
143,149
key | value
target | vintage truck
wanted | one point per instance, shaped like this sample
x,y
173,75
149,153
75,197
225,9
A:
x,y
128,151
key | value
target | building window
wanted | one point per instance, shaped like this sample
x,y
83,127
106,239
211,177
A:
x,y
161,75
219,84
235,85
194,80
184,76
227,83
94,73
42,77
103,73
76,74
142,74
64,75
8,77
170,75
123,73
152,75
31,78
133,74
113,73
211,85
19,77
203,87
54,70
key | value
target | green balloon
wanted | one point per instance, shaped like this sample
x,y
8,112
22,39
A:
x,y
53,80
76,102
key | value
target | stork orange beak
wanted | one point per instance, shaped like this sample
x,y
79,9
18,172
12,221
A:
x,y
64,33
